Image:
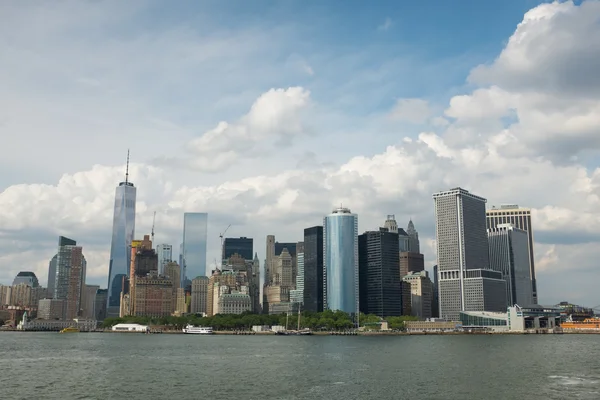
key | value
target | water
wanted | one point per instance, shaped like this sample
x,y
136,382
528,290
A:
x,y
134,366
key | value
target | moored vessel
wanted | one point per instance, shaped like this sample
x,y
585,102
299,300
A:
x,y
586,324
198,330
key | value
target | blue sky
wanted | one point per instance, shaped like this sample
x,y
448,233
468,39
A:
x,y
276,110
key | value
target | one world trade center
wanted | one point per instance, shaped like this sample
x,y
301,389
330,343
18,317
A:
x,y
122,235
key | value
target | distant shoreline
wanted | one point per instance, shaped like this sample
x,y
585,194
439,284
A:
x,y
250,333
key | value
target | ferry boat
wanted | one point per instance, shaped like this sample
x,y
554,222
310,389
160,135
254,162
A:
x,y
198,330
70,329
588,323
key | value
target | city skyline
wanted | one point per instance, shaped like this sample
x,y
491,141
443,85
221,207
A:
x,y
377,119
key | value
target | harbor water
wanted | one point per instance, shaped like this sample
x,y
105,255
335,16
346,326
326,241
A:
x,y
137,366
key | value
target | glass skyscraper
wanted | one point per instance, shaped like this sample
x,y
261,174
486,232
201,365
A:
x,y
193,249
122,235
340,261
243,246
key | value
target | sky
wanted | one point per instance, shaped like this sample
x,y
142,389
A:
x,y
268,114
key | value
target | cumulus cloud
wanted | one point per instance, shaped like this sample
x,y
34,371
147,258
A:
x,y
415,111
275,118
511,139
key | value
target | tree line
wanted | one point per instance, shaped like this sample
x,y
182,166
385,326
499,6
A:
x,y
327,321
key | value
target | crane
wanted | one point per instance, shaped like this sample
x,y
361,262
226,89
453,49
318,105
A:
x,y
221,235
153,221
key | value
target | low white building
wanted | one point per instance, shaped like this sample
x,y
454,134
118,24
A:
x,y
261,328
277,328
130,328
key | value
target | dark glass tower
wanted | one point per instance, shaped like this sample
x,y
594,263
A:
x,y
120,248
380,285
313,269
242,246
193,260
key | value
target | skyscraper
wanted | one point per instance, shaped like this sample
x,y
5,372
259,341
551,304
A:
x,y
195,227
165,256
340,261
242,246
26,277
520,217
380,283
52,275
122,235
313,269
76,283
199,295
413,243
509,254
466,282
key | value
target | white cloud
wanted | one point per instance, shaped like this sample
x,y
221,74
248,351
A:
x,y
415,111
512,139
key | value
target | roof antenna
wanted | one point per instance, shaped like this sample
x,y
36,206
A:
x,y
127,168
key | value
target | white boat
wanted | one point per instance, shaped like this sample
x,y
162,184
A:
x,y
198,330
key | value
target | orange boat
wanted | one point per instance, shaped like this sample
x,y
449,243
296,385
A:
x,y
588,323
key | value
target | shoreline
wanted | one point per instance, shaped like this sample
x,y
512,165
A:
x,y
328,333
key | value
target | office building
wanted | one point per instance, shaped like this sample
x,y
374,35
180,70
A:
x,y
411,262
26,277
390,224
193,263
406,298
435,312
509,254
88,301
520,218
51,309
297,294
52,274
255,285
199,295
413,242
340,261
234,303
466,282
153,296
313,269
122,235
421,290
291,249
165,256
380,285
243,246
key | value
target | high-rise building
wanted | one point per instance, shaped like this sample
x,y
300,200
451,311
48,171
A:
x,y
520,217
193,263
466,282
63,263
51,309
76,283
509,254
153,296
88,301
242,246
340,261
26,277
199,295
100,304
313,269
165,256
435,312
411,262
380,284
270,259
52,274
122,235
390,224
421,299
297,295
413,242
255,284
173,272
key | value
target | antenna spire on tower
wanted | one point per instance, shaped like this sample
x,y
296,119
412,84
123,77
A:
x,y
127,168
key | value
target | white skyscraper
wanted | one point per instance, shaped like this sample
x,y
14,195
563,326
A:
x,y
466,282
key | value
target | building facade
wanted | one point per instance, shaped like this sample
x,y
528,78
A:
x,y
76,283
165,256
52,274
234,303
51,309
411,262
193,260
26,277
520,218
509,254
297,294
122,235
465,281
421,290
243,246
153,296
313,269
340,261
380,286
199,295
